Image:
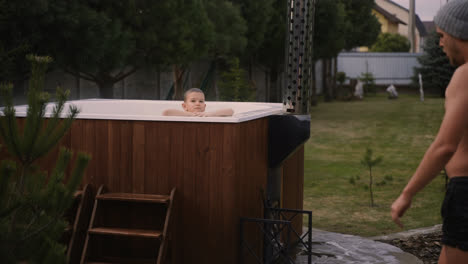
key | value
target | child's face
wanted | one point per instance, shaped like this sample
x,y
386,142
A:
x,y
194,102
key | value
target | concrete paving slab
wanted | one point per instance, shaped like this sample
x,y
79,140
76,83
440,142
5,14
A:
x,y
335,248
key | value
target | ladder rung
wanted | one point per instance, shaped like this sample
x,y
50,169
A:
x,y
78,194
126,232
67,230
114,260
131,261
133,197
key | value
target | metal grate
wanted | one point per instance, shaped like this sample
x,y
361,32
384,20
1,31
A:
x,y
281,242
298,238
279,247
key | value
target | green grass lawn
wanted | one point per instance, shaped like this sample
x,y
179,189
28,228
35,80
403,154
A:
x,y
336,184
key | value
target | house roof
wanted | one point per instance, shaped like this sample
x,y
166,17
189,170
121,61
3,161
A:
x,y
387,15
419,25
395,4
429,26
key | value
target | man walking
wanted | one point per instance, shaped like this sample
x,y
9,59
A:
x,y
450,147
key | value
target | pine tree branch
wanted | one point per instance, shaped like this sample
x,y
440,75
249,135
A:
x,y
37,231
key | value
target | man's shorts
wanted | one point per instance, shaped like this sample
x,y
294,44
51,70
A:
x,y
455,214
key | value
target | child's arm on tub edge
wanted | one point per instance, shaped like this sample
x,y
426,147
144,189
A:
x,y
220,112
175,112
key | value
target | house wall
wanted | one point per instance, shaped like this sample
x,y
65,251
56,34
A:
x,y
386,26
402,14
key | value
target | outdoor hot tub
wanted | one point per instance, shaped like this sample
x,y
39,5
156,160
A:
x,y
219,165
151,110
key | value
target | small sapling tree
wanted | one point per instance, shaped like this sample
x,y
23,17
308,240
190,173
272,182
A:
x,y
234,84
369,83
369,162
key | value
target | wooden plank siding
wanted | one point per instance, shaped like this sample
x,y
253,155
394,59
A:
x,y
293,185
219,170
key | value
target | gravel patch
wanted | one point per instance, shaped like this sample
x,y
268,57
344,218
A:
x,y
422,243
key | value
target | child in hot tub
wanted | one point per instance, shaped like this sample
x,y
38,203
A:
x,y
194,105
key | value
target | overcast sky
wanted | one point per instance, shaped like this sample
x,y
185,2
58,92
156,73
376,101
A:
x,y
425,9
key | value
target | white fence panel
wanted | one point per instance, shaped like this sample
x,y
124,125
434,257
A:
x,y
387,67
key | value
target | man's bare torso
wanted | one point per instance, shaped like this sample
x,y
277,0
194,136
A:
x,y
458,164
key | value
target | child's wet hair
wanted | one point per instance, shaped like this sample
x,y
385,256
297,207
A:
x,y
192,90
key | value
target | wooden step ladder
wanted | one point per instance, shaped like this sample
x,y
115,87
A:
x,y
128,228
78,216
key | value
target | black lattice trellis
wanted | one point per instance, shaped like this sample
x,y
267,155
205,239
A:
x,y
300,21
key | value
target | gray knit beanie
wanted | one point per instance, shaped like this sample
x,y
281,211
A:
x,y
453,18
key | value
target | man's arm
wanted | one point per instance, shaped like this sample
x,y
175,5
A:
x,y
451,131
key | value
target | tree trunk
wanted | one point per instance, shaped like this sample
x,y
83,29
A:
x,y
215,82
330,84
78,88
19,93
325,83
250,69
335,70
124,95
273,95
158,85
267,86
178,72
313,97
106,89
370,187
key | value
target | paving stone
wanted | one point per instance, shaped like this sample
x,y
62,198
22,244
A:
x,y
335,248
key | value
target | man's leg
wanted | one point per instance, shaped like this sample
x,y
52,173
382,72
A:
x,y
450,255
